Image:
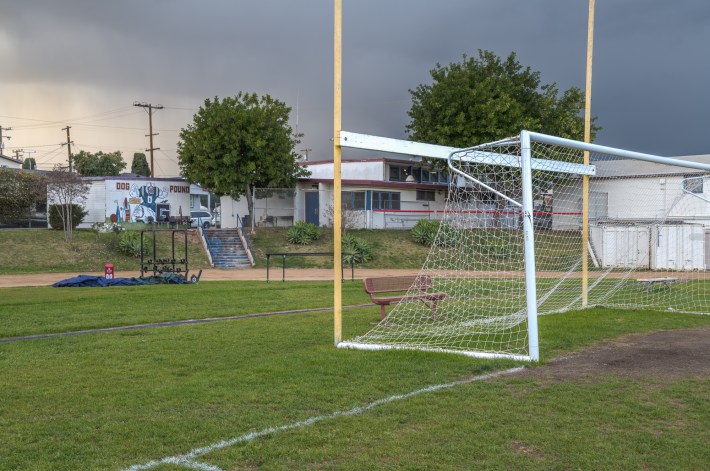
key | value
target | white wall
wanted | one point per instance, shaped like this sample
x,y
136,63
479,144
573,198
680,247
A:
x,y
231,209
350,170
653,198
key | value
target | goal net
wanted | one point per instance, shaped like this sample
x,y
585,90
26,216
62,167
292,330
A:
x,y
510,245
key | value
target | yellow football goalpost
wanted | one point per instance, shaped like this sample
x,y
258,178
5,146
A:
x,y
337,156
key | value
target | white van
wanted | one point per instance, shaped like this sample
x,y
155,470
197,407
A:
x,y
200,219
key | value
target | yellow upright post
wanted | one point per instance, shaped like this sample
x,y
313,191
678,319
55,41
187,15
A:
x,y
337,220
587,138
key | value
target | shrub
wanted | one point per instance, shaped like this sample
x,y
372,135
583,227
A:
x,y
424,231
359,248
130,244
303,233
55,218
105,228
448,236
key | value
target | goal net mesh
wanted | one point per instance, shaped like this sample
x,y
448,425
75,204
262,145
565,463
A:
x,y
646,248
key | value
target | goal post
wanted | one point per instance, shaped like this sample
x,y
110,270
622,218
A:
x,y
508,246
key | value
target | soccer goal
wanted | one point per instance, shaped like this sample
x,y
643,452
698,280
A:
x,y
518,239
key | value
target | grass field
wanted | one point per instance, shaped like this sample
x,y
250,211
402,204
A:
x,y
45,251
272,393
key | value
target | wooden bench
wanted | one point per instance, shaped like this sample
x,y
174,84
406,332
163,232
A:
x,y
650,282
402,284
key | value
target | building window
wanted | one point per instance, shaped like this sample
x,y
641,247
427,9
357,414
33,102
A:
x,y
385,200
426,195
693,183
398,174
353,200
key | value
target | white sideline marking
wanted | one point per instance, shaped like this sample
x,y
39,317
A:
x,y
187,460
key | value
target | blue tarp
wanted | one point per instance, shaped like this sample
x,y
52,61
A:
x,y
93,281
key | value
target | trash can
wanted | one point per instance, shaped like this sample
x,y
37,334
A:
x,y
108,271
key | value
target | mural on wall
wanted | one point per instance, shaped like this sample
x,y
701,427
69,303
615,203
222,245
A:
x,y
145,202
152,204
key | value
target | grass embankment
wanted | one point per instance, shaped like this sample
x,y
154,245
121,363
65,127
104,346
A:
x,y
391,248
39,251
45,251
112,400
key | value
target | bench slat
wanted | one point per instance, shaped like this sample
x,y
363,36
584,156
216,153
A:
x,y
401,284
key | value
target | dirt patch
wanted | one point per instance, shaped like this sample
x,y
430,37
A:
x,y
664,355
524,449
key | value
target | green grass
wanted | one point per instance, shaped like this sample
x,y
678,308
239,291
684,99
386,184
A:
x,y
41,310
392,248
41,250
45,251
111,400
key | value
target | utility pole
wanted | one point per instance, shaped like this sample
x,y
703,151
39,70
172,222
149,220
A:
x,y
2,144
150,134
18,152
306,151
68,144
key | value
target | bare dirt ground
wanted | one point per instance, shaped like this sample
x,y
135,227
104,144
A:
x,y
275,274
664,355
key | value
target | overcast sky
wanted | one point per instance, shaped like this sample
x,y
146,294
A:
x,y
84,64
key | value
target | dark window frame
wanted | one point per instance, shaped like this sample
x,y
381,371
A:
x,y
430,195
386,200
351,200
693,184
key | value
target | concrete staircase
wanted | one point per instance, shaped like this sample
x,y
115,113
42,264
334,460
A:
x,y
226,248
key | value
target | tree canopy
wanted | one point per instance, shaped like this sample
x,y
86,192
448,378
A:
x,y
29,163
99,164
238,143
20,191
68,191
140,166
483,99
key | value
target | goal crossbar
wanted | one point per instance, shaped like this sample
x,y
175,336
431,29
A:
x,y
420,149
400,146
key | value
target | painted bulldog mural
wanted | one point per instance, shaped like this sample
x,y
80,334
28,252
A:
x,y
151,198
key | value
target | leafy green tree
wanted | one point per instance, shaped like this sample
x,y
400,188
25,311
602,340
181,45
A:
x,y
99,164
140,166
29,163
486,98
20,192
239,143
68,192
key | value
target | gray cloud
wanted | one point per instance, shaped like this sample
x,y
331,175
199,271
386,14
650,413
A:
x,y
650,65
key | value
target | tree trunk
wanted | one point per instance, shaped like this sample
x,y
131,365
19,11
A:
x,y
250,204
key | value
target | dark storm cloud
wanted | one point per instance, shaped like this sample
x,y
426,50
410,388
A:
x,y
651,67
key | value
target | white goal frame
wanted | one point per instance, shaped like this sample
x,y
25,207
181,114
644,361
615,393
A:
x,y
527,163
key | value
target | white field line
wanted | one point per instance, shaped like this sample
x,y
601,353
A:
x,y
188,459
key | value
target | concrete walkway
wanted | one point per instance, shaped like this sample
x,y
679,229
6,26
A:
x,y
212,274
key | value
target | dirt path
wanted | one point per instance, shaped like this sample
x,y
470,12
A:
x,y
292,274
665,355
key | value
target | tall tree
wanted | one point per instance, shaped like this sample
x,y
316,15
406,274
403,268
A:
x,y
66,190
29,163
20,192
99,164
140,166
486,98
240,143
